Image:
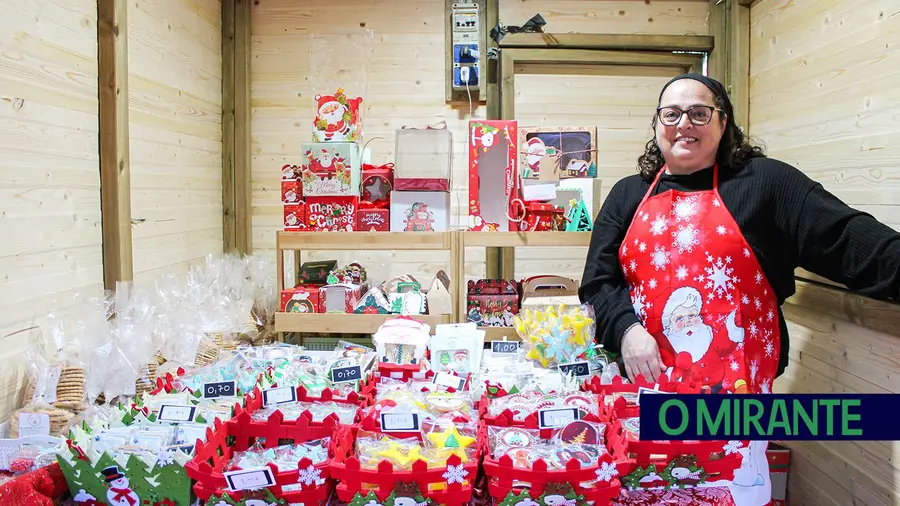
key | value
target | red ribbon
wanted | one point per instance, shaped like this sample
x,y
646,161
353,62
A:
x,y
124,493
378,204
380,168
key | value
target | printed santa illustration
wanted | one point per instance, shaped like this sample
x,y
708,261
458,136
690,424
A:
x,y
120,493
699,349
534,151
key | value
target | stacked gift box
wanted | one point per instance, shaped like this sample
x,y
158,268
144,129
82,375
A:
x,y
423,162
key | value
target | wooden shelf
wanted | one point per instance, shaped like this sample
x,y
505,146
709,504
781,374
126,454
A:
x,y
521,239
340,323
364,240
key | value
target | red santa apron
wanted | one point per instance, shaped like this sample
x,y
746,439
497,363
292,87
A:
x,y
698,289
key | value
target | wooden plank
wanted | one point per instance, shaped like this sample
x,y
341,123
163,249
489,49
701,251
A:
x,y
243,207
874,314
507,84
115,170
624,42
517,239
341,323
492,18
602,57
718,56
388,241
229,224
738,83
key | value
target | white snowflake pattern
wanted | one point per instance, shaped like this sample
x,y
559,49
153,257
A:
x,y
455,474
721,230
624,249
660,258
746,253
732,447
716,203
309,475
685,208
165,458
757,302
685,238
645,217
758,277
770,315
745,299
754,368
607,471
734,365
642,247
765,387
659,225
632,265
681,273
652,283
639,302
718,277
770,350
753,329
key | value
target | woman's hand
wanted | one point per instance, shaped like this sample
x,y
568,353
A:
x,y
640,354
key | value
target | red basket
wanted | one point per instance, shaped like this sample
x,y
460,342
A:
x,y
433,483
211,457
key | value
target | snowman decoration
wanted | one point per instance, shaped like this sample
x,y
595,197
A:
x,y
120,493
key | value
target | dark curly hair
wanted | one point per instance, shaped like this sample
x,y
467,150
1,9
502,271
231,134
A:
x,y
734,148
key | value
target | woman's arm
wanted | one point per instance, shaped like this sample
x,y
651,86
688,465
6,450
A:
x,y
602,284
843,244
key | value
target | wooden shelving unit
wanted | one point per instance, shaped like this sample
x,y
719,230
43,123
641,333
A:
x,y
512,240
339,323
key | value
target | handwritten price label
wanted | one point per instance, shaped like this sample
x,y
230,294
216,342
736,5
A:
x,y
345,374
249,479
448,380
505,347
281,395
556,418
577,369
176,413
399,422
219,389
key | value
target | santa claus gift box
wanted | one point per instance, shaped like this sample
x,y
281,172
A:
x,y
420,211
493,181
554,153
330,169
302,299
338,118
423,160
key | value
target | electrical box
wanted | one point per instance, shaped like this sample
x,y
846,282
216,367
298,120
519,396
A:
x,y
466,30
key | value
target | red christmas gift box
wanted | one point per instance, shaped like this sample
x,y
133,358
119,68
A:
x,y
331,213
492,302
341,297
370,219
538,216
302,299
423,158
414,211
295,216
291,192
290,172
377,183
493,179
553,153
338,118
330,169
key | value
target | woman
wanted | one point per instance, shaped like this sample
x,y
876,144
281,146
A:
x,y
691,259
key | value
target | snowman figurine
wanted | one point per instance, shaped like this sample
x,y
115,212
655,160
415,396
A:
x,y
120,493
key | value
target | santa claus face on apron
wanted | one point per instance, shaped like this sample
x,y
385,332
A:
x,y
684,325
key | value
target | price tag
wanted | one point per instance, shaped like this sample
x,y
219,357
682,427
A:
x,y
449,381
399,422
219,389
577,369
280,395
249,479
176,413
345,374
556,418
505,347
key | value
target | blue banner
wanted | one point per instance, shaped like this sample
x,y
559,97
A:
x,y
764,417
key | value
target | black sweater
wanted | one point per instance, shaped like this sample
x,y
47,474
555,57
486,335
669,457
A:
x,y
787,218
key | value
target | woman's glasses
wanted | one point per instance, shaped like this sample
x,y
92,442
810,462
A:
x,y
698,114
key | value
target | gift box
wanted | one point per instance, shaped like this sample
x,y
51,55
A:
x,y
290,172
377,184
423,159
302,299
492,302
779,458
493,179
331,214
316,273
373,220
539,216
338,118
542,291
341,297
415,211
584,189
295,216
553,153
330,169
291,192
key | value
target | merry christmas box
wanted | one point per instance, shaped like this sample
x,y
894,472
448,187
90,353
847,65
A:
x,y
330,169
414,211
334,214
493,180
370,219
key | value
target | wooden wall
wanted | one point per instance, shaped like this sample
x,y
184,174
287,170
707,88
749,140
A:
x,y
49,142
50,204
405,86
840,56
175,96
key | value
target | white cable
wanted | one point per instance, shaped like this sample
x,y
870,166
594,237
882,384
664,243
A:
x,y
469,93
